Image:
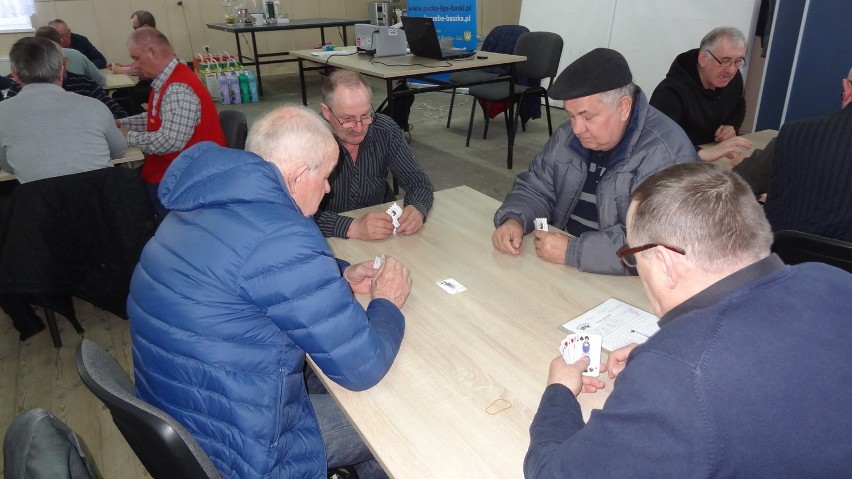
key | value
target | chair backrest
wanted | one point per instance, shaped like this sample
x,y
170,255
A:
x,y
543,51
796,247
40,446
235,128
502,39
165,447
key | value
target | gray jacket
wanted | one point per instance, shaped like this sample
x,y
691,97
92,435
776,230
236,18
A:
x,y
552,186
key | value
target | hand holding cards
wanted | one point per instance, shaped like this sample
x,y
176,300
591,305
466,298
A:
x,y
392,280
394,211
575,346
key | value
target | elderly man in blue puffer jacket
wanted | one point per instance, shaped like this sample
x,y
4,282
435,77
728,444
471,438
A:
x,y
238,285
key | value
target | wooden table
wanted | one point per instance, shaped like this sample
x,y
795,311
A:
x,y
132,155
463,352
759,140
255,59
115,81
408,66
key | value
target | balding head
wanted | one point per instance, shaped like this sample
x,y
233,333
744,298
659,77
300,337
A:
x,y
150,50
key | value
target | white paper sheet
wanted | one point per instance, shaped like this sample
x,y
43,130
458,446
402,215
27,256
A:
x,y
618,323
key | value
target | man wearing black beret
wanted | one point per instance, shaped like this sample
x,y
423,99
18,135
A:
x,y
582,180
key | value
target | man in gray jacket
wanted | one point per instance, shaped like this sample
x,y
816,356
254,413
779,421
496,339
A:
x,y
581,182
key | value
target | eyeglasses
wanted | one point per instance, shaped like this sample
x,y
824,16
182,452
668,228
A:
x,y
726,63
351,122
627,255
65,35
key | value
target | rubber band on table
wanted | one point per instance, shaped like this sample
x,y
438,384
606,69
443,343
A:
x,y
499,405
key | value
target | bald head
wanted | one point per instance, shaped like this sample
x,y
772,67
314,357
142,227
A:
x,y
150,50
292,134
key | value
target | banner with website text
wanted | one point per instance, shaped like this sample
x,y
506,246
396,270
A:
x,y
455,19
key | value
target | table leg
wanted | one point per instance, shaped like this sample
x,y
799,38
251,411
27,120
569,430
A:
x,y
256,64
511,135
391,113
302,82
322,36
345,44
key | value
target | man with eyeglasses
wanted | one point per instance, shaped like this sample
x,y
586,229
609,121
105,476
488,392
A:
x,y
703,93
582,179
78,42
746,376
371,145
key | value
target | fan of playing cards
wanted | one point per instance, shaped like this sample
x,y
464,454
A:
x,y
575,346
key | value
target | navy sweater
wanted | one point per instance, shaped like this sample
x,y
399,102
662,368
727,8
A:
x,y
748,378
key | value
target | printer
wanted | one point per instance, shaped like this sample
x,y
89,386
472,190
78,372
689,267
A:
x,y
380,40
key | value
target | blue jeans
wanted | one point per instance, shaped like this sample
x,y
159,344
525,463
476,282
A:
x,y
343,445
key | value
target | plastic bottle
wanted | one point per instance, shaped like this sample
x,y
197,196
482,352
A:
x,y
245,95
225,88
234,82
252,84
197,60
211,80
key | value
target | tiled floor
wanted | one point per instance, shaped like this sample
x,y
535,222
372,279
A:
x,y
439,150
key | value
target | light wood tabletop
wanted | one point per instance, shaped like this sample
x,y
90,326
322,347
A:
x,y
402,66
132,155
759,140
438,413
115,81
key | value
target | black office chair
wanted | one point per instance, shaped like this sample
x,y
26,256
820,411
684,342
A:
x,y
543,50
38,445
501,39
795,247
165,447
235,128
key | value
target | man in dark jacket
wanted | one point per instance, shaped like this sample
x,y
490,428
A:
x,y
239,285
78,42
741,380
703,91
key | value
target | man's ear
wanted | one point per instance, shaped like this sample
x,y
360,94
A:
x,y
702,58
15,77
324,110
672,266
625,104
293,176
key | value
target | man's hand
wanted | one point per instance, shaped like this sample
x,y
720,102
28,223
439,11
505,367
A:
x,y
392,282
551,247
618,360
507,238
571,375
410,221
725,132
372,226
731,148
359,276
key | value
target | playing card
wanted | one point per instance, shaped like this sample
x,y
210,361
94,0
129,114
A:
x,y
566,348
394,211
590,345
377,263
540,224
451,286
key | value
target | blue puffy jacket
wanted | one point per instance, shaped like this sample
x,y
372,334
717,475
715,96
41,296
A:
x,y
232,291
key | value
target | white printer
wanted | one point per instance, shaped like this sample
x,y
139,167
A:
x,y
379,40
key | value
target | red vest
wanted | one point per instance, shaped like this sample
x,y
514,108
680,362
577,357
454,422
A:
x,y
208,129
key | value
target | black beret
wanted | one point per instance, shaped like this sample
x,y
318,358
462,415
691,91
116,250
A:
x,y
600,70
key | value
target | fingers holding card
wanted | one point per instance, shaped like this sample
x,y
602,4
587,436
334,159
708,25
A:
x,y
575,346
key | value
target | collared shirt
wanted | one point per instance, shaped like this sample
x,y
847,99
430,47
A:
x,y
363,182
180,112
724,287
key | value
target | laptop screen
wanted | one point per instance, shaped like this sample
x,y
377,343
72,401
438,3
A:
x,y
422,37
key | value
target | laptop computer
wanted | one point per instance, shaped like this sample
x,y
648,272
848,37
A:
x,y
423,40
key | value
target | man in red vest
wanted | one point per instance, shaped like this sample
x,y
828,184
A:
x,y
180,112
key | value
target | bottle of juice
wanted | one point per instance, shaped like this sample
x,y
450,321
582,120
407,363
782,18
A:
x,y
245,95
252,84
234,82
225,88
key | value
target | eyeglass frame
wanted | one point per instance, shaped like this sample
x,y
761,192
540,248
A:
x,y
371,117
727,63
626,251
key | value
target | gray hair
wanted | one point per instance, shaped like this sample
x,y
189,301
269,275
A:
x,y
36,60
734,35
707,210
346,78
290,134
612,97
57,21
48,32
143,37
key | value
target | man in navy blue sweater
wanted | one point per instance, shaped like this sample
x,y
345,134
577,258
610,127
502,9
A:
x,y
742,379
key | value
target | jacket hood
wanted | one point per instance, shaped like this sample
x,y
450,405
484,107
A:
x,y
207,174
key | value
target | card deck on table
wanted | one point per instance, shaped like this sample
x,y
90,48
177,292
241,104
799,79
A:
x,y
575,346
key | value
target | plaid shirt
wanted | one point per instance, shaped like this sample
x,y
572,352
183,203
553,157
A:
x,y
180,112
